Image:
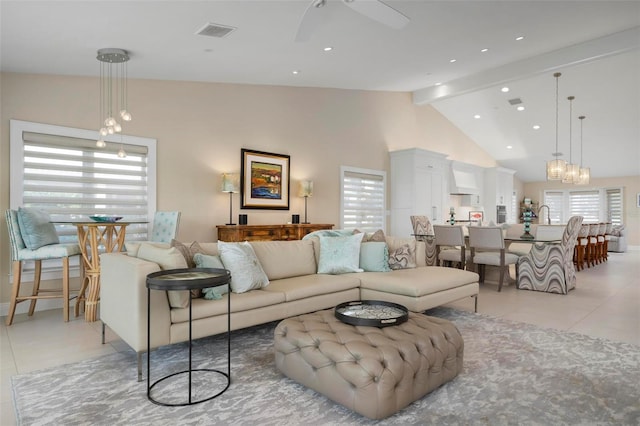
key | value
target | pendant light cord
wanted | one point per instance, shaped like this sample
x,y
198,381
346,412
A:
x,y
557,76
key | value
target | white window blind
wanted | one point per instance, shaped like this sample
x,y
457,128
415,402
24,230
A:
x,y
60,170
585,204
614,205
363,199
555,201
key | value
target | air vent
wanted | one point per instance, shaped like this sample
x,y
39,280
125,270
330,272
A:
x,y
515,101
214,30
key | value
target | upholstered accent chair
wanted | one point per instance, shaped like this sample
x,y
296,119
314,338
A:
x,y
423,231
549,267
450,245
20,253
165,226
487,248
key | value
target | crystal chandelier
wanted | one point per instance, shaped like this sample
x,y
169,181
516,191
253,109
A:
x,y
556,168
572,172
585,172
113,94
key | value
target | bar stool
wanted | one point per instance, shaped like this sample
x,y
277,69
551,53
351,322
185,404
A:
x,y
579,257
592,244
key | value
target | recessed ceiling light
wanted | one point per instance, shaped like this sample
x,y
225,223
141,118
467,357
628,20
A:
x,y
328,49
438,84
484,50
452,60
296,72
519,38
520,108
509,147
476,116
536,127
504,89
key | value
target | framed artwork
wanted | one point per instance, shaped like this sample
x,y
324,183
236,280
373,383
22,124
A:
x,y
264,180
476,216
638,199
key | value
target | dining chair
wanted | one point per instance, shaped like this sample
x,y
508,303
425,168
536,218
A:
x,y
165,226
549,267
450,245
487,248
21,253
423,231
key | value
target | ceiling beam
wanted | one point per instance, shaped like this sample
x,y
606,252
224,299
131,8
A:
x,y
587,51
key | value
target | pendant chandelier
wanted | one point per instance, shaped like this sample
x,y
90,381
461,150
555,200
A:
x,y
556,168
572,172
113,94
585,172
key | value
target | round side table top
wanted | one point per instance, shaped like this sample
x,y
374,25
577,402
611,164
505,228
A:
x,y
188,278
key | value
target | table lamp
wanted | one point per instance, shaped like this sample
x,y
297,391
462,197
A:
x,y
306,191
230,184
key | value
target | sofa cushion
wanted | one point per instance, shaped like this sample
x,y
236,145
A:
x,y
284,259
340,255
36,228
240,302
296,288
132,247
209,261
402,252
246,271
374,257
166,258
417,282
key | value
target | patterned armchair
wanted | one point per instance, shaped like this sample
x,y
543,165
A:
x,y
423,231
549,267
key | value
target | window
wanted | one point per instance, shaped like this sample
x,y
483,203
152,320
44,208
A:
x,y
554,199
363,199
61,171
614,206
595,205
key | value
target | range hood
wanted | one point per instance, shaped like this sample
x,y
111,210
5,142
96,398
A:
x,y
462,182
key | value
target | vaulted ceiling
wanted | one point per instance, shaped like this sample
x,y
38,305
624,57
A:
x,y
594,44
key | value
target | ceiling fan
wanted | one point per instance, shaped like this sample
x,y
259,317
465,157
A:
x,y
372,9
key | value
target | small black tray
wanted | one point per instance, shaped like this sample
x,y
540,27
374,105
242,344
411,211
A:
x,y
371,313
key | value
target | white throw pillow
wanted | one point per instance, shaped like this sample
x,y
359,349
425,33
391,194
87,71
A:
x,y
167,258
246,271
340,255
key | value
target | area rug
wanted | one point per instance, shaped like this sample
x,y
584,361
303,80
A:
x,y
514,373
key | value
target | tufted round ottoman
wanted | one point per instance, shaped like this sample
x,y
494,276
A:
x,y
373,371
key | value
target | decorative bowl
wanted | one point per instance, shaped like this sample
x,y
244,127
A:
x,y
105,218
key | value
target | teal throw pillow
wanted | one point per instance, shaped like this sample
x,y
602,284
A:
x,y
36,228
209,261
340,255
374,257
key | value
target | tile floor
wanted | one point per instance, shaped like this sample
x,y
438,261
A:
x,y
605,304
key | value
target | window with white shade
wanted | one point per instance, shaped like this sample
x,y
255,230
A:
x,y
61,171
594,205
363,203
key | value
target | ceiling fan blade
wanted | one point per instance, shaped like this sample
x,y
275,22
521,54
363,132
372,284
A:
x,y
311,20
378,11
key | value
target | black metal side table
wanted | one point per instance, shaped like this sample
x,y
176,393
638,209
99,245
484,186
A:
x,y
187,279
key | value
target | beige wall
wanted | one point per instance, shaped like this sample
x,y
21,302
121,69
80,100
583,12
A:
x,y
631,185
200,128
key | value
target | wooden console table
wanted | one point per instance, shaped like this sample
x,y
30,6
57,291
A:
x,y
237,233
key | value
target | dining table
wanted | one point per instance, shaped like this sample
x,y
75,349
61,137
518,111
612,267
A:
x,y
94,238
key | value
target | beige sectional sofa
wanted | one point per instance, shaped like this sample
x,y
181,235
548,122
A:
x,y
294,288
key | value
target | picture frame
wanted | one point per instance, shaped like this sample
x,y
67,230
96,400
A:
x,y
264,180
638,200
476,216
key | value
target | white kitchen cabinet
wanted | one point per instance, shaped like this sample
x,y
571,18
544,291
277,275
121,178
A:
x,y
418,186
498,191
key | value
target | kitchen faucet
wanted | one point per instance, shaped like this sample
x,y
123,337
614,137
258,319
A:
x,y
548,213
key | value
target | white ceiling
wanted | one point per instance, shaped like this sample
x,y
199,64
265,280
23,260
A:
x,y
595,44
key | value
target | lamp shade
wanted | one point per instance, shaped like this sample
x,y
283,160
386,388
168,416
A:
x,y
556,169
571,174
230,182
584,177
306,188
